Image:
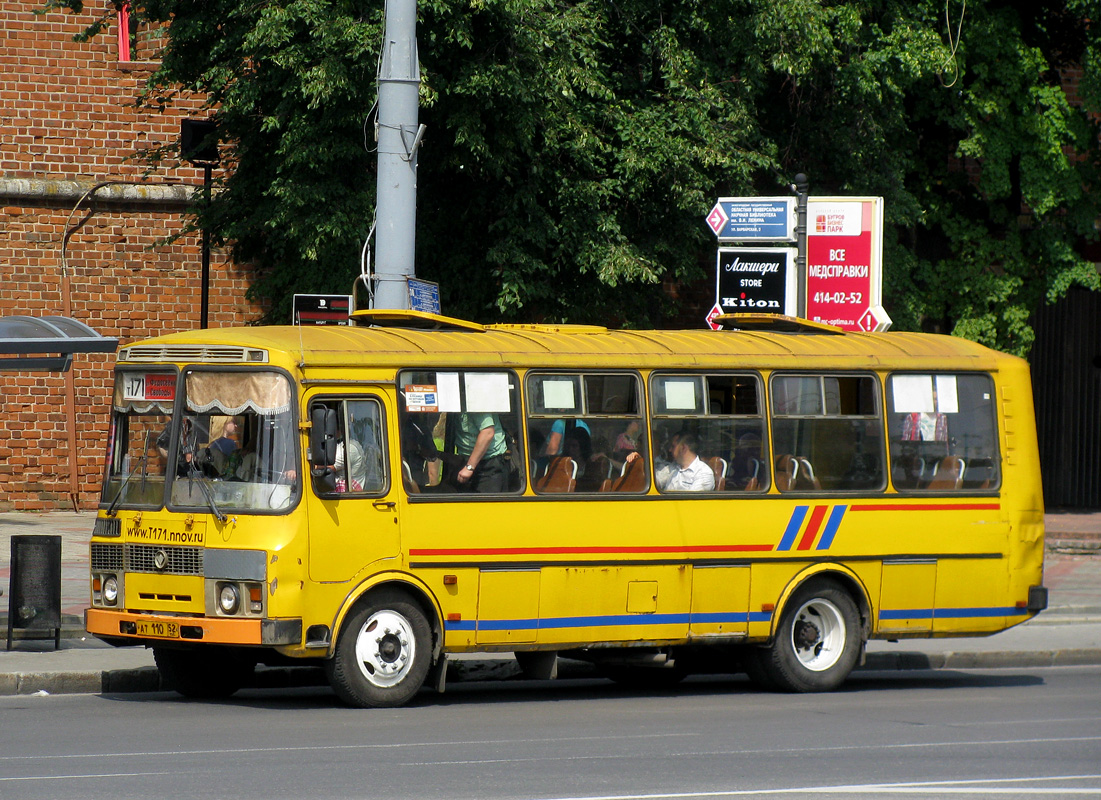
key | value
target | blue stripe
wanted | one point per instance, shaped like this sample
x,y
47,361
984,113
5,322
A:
x,y
907,613
508,624
615,619
952,613
722,616
959,613
794,525
832,525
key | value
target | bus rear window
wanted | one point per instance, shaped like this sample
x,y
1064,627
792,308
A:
x,y
943,433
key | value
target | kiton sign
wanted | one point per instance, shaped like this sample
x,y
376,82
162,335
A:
x,y
756,279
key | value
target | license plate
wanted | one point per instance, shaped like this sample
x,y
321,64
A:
x,y
160,630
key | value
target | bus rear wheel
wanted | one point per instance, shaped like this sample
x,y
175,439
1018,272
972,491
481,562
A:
x,y
383,654
204,672
817,643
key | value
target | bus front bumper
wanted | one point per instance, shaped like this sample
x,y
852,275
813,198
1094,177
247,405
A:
x,y
208,630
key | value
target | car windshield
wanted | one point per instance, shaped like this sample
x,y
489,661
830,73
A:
x,y
230,446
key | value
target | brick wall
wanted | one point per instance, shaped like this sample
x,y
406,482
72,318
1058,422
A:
x,y
67,114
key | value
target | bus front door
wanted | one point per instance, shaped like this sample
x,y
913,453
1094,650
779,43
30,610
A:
x,y
353,507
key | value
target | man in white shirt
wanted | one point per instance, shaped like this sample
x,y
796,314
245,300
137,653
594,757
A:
x,y
691,474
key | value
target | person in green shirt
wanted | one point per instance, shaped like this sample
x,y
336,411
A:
x,y
480,440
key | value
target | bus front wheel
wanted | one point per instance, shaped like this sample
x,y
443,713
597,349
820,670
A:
x,y
817,643
383,654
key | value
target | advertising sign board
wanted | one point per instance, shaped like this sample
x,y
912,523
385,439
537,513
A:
x,y
845,262
322,309
756,279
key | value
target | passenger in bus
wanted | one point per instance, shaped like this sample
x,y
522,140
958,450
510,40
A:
x,y
925,426
418,448
227,442
224,453
665,463
246,466
691,474
627,441
350,455
188,442
480,441
558,431
579,447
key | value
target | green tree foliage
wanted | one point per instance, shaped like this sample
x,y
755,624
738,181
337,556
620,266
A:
x,y
574,147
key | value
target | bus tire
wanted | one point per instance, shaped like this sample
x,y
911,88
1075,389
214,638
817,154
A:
x,y
383,654
206,673
817,643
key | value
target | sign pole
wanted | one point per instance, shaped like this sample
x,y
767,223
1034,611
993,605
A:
x,y
802,189
399,136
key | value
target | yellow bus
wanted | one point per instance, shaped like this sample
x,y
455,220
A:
x,y
377,497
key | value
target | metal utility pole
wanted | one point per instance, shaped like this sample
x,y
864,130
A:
x,y
399,136
801,185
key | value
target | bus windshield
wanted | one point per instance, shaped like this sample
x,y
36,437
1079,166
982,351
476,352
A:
x,y
226,442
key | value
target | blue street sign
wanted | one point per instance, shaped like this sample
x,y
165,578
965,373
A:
x,y
753,219
424,296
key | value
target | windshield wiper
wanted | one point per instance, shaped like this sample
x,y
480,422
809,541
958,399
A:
x,y
193,473
112,509
145,460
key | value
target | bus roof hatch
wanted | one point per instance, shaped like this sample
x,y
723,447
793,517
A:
x,y
775,323
421,320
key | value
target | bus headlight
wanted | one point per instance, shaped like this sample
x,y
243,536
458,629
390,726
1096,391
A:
x,y
229,598
110,590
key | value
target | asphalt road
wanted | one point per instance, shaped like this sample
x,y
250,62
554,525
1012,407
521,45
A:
x,y
988,733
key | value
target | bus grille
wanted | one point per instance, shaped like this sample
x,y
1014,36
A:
x,y
144,558
180,560
206,354
106,557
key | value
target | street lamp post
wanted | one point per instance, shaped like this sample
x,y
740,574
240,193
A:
x,y
801,185
199,147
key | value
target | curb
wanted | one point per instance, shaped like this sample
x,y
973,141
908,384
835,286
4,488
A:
x,y
1072,546
148,679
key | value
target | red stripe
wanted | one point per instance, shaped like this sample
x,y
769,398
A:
x,y
813,527
931,507
540,551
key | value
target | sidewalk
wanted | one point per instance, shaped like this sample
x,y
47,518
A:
x,y
1067,633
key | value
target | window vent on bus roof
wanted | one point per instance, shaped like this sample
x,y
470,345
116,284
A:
x,y
418,320
194,353
775,323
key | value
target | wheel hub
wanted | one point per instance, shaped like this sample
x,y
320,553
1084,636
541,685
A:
x,y
818,634
806,634
384,648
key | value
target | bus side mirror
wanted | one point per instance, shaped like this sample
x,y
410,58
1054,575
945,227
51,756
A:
x,y
322,436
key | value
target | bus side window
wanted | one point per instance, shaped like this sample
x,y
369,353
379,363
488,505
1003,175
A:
x,y
586,425
442,416
723,414
943,433
827,433
360,463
